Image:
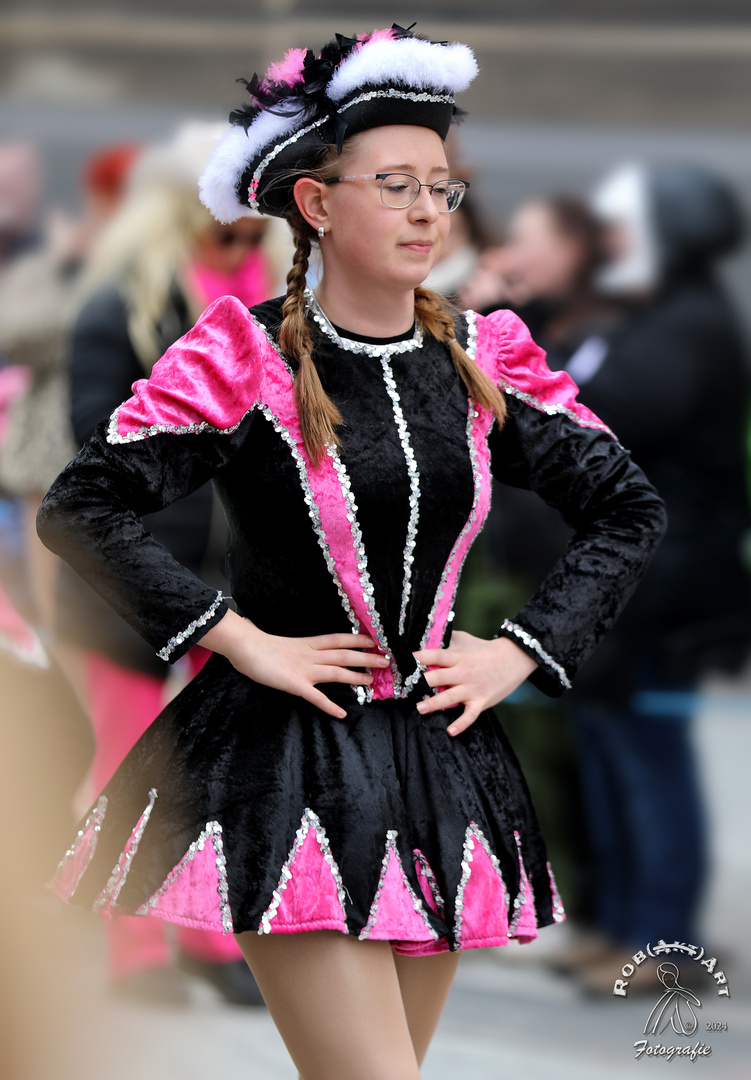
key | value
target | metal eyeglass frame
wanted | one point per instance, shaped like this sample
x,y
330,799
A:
x,y
383,176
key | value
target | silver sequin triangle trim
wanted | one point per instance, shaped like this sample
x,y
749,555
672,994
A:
x,y
121,869
417,903
93,822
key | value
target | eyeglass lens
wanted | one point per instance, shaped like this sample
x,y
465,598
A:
x,y
399,190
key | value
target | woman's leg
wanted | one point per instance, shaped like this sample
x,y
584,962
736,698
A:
x,y
425,982
337,1003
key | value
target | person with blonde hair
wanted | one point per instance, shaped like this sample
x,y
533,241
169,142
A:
x,y
332,787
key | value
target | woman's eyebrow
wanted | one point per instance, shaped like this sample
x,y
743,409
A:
x,y
411,168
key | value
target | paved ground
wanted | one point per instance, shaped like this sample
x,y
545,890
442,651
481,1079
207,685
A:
x,y
507,1014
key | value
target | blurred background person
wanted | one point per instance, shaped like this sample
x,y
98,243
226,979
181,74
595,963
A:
x,y
160,262
671,378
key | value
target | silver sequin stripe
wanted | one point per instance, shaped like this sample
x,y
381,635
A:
x,y
190,629
113,888
265,162
313,511
213,834
473,835
95,819
553,409
521,897
534,644
360,348
414,487
309,821
405,95
469,523
366,584
559,913
115,438
417,903
430,876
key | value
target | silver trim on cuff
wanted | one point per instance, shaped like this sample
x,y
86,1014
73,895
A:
x,y
534,644
178,639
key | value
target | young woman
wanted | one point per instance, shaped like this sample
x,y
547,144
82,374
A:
x,y
332,786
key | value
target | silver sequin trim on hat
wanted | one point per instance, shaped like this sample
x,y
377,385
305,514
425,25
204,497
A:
x,y
430,876
559,913
361,348
533,643
190,629
473,835
417,903
313,512
309,821
366,584
521,897
265,162
404,95
113,888
93,822
414,487
213,833
470,522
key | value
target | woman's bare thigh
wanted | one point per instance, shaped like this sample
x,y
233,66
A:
x,y
425,983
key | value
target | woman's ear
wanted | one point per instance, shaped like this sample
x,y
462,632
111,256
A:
x,y
310,196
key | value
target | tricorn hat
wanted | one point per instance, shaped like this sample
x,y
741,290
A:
x,y
308,102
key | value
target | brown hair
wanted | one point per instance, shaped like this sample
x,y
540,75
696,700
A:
x,y
319,416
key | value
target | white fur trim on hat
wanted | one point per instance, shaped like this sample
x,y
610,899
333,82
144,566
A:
x,y
233,151
409,61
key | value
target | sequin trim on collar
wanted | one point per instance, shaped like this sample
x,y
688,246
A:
x,y
212,833
534,644
361,348
309,821
87,834
417,903
473,835
190,629
117,878
414,487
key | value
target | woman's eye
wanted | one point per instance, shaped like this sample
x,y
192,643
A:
x,y
397,187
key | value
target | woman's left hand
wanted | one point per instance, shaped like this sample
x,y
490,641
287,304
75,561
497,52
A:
x,y
473,672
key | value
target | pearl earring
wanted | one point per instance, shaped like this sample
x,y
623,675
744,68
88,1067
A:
x,y
321,232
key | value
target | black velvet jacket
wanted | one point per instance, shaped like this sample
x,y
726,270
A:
x,y
374,535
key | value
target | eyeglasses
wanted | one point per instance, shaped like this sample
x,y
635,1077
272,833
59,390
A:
x,y
399,190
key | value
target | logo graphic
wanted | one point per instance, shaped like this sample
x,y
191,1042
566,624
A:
x,y
676,1008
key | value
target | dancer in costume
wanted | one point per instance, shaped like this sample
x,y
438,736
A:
x,y
332,787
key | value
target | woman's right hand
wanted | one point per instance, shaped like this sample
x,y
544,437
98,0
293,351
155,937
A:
x,y
295,665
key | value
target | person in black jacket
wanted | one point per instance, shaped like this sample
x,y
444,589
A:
x,y
672,380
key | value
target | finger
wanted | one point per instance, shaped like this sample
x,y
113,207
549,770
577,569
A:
x,y
351,658
340,674
441,677
439,657
341,641
446,699
319,699
465,720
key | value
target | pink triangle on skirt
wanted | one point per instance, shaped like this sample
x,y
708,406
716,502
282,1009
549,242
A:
x,y
192,892
484,911
310,899
395,916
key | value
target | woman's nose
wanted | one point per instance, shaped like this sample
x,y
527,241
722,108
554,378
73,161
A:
x,y
424,207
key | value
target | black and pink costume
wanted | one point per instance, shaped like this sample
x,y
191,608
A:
x,y
245,808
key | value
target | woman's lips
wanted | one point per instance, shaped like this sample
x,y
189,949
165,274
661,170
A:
x,y
419,247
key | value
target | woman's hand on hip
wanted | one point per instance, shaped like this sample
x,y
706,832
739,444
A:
x,y
292,664
472,672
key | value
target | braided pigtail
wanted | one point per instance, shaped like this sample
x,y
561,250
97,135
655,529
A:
x,y
319,415
436,317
